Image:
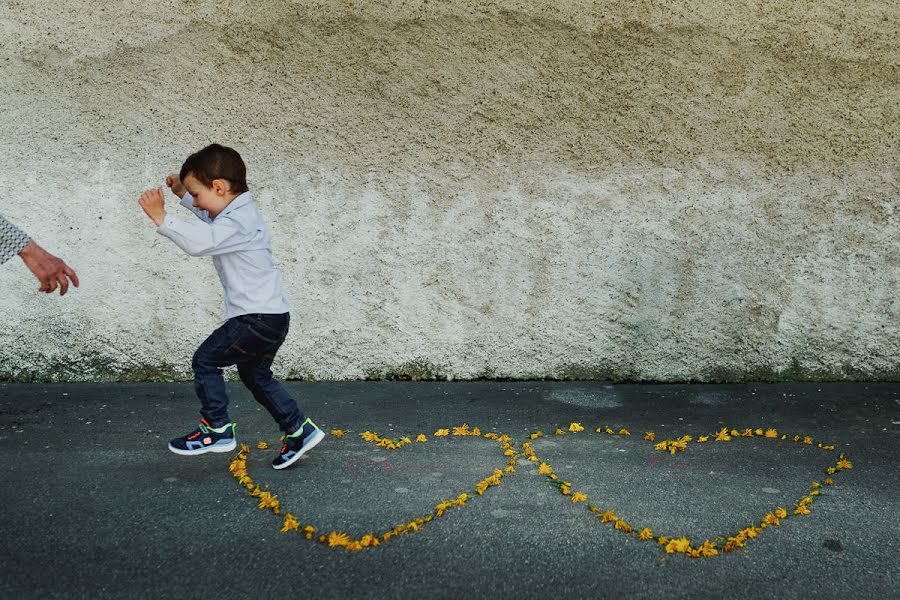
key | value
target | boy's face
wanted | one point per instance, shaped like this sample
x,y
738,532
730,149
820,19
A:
x,y
211,199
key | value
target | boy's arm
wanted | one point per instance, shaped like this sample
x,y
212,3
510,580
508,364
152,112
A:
x,y
12,240
187,201
203,239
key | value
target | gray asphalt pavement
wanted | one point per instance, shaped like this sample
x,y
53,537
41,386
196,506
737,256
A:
x,y
95,506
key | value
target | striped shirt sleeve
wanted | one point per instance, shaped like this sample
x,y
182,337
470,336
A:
x,y
12,240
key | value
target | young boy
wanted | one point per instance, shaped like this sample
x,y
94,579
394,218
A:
x,y
213,185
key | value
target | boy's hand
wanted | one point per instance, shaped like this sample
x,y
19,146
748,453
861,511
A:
x,y
154,204
174,183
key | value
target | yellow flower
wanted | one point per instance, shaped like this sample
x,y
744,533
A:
x,y
693,552
491,436
650,436
708,549
338,539
796,438
801,510
290,523
608,516
609,431
680,545
722,435
245,448
576,427
337,432
442,433
354,546
267,500
262,445
844,464
369,436
735,433
784,436
747,433
369,540
421,438
807,440
405,440
599,430
625,527
759,431
537,434
685,439
663,445
475,432
814,493
702,438
780,513
533,458
663,540
559,431
828,481
645,534
308,531
578,497
504,438
624,431
565,489
510,469
806,500
771,519
771,433
461,430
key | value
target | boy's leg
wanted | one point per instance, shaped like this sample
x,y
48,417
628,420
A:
x,y
257,376
216,352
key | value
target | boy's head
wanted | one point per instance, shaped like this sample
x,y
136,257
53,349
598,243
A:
x,y
214,176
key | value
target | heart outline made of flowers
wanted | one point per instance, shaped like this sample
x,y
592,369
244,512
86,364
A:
x,y
336,538
682,544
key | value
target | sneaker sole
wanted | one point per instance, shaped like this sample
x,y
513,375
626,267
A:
x,y
317,437
213,448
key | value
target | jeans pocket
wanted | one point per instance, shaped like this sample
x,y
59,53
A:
x,y
256,342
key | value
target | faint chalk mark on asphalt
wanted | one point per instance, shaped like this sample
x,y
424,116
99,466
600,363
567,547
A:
x,y
833,545
769,490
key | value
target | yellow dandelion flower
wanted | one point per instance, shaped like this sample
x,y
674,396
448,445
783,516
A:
x,y
510,469
663,540
510,452
421,438
290,523
533,458
735,433
565,489
576,427
645,534
784,436
369,540
722,435
747,433
664,445
624,431
599,430
262,445
815,485
608,516
609,431
461,430
807,440
815,493
780,513
536,435
309,531
353,546
844,464
693,552
828,481
759,431
801,510
491,436
708,549
831,470
336,538
578,497
771,433
796,438
806,500
442,433
685,439
559,431
680,545
702,438
338,432
771,519
245,448
245,480
504,438
369,436
649,436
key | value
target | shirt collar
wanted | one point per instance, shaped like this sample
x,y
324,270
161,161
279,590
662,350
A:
x,y
243,199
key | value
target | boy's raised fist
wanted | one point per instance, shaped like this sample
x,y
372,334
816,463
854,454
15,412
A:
x,y
174,183
154,204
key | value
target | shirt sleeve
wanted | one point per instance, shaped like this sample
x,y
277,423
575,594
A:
x,y
188,202
222,236
12,240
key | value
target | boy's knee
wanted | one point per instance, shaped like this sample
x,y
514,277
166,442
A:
x,y
202,363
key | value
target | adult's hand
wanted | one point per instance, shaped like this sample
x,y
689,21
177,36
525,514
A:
x,y
50,271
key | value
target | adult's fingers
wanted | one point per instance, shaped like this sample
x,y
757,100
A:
x,y
63,284
52,284
71,273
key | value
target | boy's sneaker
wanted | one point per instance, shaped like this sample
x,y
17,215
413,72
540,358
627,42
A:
x,y
298,444
205,439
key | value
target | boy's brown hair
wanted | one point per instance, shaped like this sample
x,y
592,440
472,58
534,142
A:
x,y
217,162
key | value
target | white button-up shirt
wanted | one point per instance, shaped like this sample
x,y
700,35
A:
x,y
240,245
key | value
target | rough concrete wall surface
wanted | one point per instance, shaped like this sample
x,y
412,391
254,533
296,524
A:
x,y
697,190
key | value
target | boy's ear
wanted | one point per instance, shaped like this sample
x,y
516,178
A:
x,y
219,186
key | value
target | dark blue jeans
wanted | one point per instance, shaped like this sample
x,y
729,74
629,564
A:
x,y
250,342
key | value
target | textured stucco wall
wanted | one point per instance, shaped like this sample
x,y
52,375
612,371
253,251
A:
x,y
699,190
